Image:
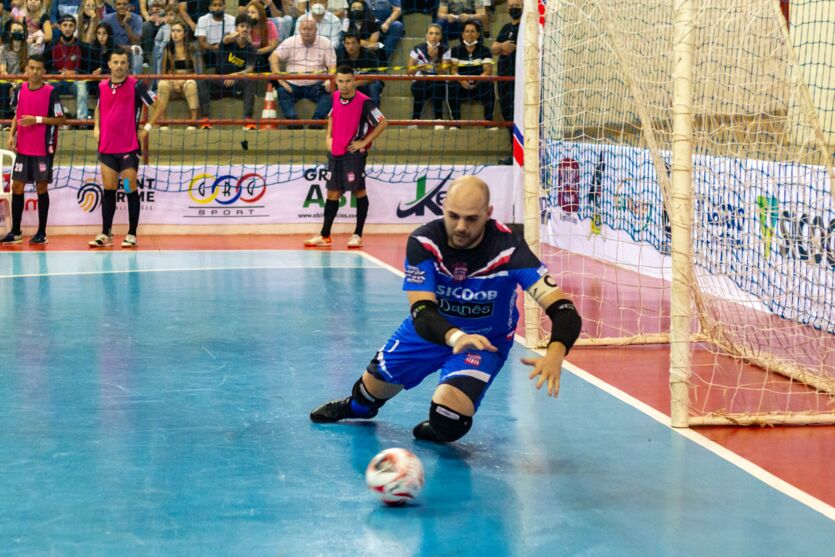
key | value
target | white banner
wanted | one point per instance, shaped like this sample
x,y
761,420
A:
x,y
264,194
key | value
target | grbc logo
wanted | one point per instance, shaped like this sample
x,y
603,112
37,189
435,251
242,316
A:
x,y
226,190
432,201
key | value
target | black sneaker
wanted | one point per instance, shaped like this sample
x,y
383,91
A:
x,y
38,239
12,238
336,410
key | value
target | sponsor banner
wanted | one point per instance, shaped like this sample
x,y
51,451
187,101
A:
x,y
765,231
265,194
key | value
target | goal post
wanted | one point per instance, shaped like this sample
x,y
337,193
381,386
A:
x,y
685,194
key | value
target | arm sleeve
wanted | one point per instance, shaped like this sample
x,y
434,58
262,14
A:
x,y
144,94
56,109
525,267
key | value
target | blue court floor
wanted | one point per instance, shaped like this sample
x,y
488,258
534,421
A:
x,y
156,403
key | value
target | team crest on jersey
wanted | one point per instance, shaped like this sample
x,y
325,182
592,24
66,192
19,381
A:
x,y
459,272
351,176
42,166
472,360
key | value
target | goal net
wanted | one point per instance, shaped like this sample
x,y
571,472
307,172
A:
x,y
755,99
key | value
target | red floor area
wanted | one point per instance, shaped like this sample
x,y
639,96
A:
x,y
802,456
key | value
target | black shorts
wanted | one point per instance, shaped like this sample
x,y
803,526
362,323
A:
x,y
120,161
346,172
32,169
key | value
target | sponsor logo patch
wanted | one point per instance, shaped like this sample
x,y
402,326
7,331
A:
x,y
473,360
415,275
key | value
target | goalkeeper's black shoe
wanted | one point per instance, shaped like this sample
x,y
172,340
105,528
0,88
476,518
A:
x,y
336,410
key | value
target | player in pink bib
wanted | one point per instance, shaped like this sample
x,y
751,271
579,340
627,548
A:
x,y
353,124
33,137
121,98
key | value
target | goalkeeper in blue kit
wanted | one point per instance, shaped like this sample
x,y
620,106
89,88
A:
x,y
461,277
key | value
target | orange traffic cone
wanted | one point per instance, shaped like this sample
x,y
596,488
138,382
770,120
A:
x,y
269,107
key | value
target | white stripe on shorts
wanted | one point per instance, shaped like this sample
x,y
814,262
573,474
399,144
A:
x,y
480,375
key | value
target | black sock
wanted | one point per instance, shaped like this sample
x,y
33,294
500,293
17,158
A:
x,y
362,212
108,209
331,208
133,212
17,213
43,212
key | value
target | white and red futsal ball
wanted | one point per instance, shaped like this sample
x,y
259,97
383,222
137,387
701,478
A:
x,y
396,475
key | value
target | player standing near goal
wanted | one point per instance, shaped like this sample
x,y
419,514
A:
x,y
354,122
461,277
38,111
117,116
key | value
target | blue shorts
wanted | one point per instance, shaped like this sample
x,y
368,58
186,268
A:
x,y
407,359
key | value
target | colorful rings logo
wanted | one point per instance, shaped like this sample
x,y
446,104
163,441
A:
x,y
226,190
89,196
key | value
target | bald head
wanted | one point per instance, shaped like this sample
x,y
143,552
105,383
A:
x,y
466,212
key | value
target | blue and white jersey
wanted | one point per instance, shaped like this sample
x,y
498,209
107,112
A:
x,y
475,288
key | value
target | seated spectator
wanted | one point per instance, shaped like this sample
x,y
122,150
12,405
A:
x,y
192,10
339,8
327,24
13,57
127,32
264,34
505,48
362,22
363,62
38,27
164,35
64,57
427,59
453,14
153,16
470,57
17,12
210,30
387,13
64,7
87,21
238,58
306,53
178,58
281,13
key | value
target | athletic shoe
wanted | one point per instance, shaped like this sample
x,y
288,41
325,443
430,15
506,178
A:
x,y
336,410
190,128
101,241
315,127
164,128
355,241
439,127
204,124
38,239
129,241
319,241
250,125
12,238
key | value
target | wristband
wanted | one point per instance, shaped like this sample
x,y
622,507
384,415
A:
x,y
148,127
454,338
39,119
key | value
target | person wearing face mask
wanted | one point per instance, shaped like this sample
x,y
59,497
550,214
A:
x,y
13,56
453,14
427,59
327,25
361,21
64,57
470,57
210,30
504,47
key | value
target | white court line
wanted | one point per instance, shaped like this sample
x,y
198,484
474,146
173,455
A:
x,y
722,452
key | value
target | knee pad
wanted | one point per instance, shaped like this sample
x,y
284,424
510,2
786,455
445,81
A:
x,y
446,424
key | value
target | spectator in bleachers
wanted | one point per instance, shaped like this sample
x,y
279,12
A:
x,y
16,10
127,32
327,24
192,10
363,62
94,56
453,14
153,17
427,59
361,21
88,19
339,8
63,7
38,27
264,34
238,58
281,14
178,58
504,47
13,57
210,30
470,57
304,53
164,35
64,57
387,13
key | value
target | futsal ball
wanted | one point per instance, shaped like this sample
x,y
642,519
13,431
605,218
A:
x,y
396,475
